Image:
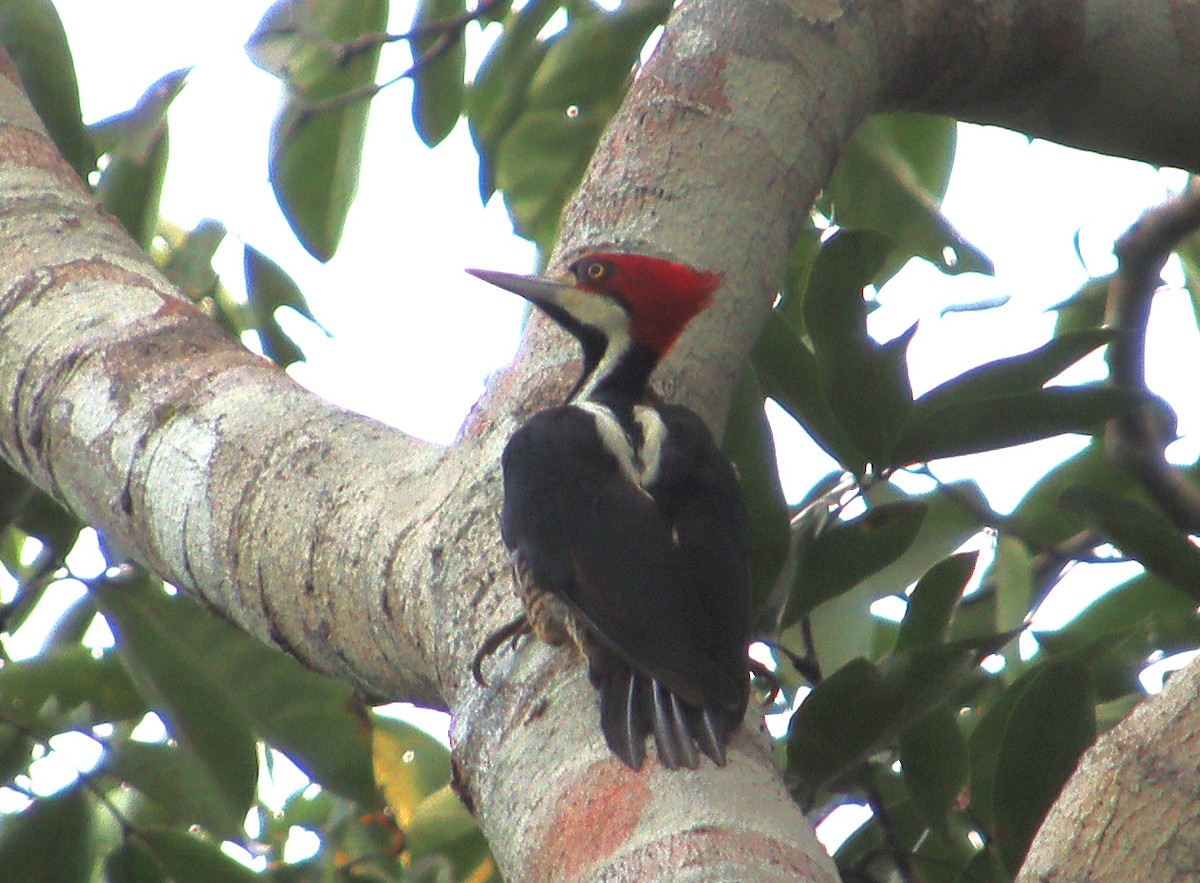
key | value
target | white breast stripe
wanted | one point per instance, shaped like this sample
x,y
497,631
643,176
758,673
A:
x,y
654,433
640,466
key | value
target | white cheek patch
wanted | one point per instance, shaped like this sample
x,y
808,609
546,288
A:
x,y
595,310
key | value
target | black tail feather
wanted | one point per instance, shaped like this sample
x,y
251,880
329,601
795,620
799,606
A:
x,y
634,707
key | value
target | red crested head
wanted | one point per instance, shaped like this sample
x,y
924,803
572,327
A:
x,y
660,296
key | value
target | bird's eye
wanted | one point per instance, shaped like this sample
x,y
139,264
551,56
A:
x,y
595,271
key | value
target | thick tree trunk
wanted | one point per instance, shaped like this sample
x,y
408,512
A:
x,y
375,557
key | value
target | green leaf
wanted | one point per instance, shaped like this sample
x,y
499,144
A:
x,y
890,179
175,778
933,753
136,144
132,863
787,370
268,288
439,821
539,163
968,427
861,708
748,443
317,721
71,678
188,859
538,141
591,62
52,840
1084,309
1040,512
843,628
933,600
499,93
865,383
1024,750
1140,533
847,552
440,60
801,259
1146,605
32,34
193,704
1026,372
190,264
316,153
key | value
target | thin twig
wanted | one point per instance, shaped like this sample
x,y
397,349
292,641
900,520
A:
x,y
1136,441
343,52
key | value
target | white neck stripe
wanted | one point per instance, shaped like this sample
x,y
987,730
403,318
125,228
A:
x,y
640,466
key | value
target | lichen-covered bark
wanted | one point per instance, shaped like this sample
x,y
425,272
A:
x,y
374,556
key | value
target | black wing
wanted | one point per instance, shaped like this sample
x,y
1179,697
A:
x,y
660,577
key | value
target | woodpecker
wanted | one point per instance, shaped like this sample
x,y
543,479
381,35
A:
x,y
625,523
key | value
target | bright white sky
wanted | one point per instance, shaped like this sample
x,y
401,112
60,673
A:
x,y
414,338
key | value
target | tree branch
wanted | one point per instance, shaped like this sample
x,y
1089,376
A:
x,y
1137,441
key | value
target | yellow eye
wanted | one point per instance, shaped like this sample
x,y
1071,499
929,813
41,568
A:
x,y
596,270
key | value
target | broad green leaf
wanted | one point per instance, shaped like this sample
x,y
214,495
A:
x,y
795,280
933,599
439,60
595,56
132,863
865,383
194,704
281,44
933,753
273,695
1041,514
190,263
409,765
70,677
52,840
862,708
968,427
499,92
847,552
890,179
1026,372
748,443
539,155
188,859
175,778
1011,574
539,163
317,138
844,627
1140,533
1040,740
32,34
950,521
1147,605
1084,309
268,288
134,133
136,144
787,370
438,822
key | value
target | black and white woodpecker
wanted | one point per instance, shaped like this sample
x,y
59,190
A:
x,y
625,523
